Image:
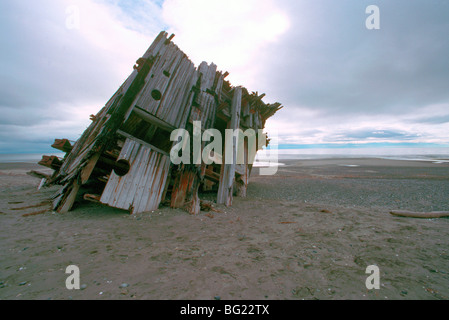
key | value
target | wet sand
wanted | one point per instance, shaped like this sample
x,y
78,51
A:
x,y
308,232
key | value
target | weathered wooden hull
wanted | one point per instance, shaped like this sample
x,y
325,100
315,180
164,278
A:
x,y
142,187
122,158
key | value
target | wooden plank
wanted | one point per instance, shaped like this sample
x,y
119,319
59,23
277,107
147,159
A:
x,y
89,168
62,144
148,201
113,177
128,180
148,145
148,117
110,190
136,177
423,215
171,67
180,187
156,45
159,183
241,181
149,170
187,98
182,89
123,180
70,199
168,106
212,176
185,191
227,178
91,197
155,80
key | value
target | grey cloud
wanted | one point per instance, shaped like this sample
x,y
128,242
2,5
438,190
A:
x,y
433,120
345,68
327,62
48,70
378,134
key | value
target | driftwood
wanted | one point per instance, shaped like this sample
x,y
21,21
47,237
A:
x,y
206,206
36,213
425,215
92,197
38,174
43,203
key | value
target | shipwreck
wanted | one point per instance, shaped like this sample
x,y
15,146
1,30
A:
x,y
123,159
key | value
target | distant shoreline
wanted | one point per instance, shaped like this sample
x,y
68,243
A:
x,y
329,161
26,157
433,155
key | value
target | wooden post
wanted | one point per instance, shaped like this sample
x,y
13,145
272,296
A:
x,y
185,191
227,177
242,177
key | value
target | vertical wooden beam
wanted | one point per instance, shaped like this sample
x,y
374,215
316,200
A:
x,y
179,189
185,191
241,181
227,177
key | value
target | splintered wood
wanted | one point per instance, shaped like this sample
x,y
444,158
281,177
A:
x,y
123,159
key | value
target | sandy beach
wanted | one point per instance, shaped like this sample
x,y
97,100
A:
x,y
308,232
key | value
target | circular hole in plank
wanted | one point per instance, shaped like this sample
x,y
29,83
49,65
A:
x,y
156,94
121,167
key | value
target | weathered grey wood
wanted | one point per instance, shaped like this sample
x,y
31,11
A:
x,y
123,200
187,94
156,45
123,180
158,184
147,175
227,178
175,89
70,199
148,117
182,91
127,135
190,79
107,196
89,168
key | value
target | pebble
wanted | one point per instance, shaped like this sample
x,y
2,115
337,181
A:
x,y
217,298
22,283
124,285
83,286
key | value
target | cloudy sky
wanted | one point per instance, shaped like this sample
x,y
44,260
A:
x,y
340,82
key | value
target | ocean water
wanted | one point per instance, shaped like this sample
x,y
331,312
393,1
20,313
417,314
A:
x,y
26,157
436,155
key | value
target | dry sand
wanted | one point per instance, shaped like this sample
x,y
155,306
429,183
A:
x,y
309,232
